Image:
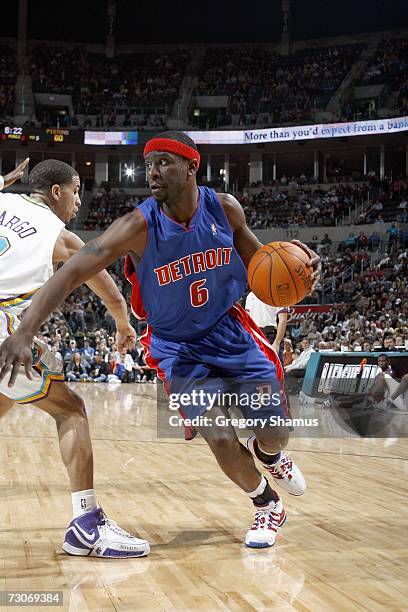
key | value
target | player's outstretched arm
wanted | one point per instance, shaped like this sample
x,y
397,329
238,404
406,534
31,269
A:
x,y
245,241
126,234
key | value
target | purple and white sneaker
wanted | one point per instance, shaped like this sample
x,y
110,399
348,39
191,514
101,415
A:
x,y
94,535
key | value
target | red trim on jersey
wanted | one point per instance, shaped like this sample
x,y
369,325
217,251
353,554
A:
x,y
262,341
189,431
136,301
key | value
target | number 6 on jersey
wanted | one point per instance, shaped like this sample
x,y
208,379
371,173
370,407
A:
x,y
198,293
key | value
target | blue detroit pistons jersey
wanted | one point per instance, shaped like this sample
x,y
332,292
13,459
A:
x,y
189,277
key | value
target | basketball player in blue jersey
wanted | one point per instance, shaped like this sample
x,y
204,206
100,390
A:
x,y
188,249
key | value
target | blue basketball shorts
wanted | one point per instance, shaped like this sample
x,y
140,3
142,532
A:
x,y
233,364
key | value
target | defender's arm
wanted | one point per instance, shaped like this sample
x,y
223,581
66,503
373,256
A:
x,y
102,284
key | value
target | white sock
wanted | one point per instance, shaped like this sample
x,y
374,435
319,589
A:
x,y
83,501
260,488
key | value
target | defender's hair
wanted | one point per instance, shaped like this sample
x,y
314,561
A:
x,y
50,172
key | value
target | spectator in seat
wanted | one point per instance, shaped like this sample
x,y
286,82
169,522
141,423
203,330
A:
x,y
88,351
362,240
327,243
374,241
143,371
389,343
69,352
377,207
392,232
400,342
77,371
296,331
99,368
349,242
298,366
288,354
124,366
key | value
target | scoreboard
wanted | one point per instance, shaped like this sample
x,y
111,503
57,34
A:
x,y
32,134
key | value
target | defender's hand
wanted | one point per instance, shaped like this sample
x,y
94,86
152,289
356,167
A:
x,y
14,352
126,338
16,174
315,263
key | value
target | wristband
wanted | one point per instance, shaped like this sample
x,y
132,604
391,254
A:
x,y
1,183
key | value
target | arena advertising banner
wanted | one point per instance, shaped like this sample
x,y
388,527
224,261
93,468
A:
x,y
274,134
305,311
111,138
344,389
302,132
347,373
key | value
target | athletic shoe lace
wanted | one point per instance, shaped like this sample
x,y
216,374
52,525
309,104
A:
x,y
265,518
102,519
283,467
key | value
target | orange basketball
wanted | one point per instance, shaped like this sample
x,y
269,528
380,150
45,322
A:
x,y
278,275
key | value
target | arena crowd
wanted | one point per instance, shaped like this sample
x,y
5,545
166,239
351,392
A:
x,y
8,76
262,86
286,203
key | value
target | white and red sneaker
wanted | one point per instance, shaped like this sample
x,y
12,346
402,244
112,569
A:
x,y
267,520
285,471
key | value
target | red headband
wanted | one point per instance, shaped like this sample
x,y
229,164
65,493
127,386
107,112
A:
x,y
172,146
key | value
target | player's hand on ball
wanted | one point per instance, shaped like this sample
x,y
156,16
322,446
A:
x,y
14,352
16,174
126,338
315,263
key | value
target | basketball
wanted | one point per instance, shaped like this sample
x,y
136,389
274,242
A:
x,y
278,274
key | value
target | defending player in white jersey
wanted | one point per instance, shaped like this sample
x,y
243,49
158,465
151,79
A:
x,y
33,239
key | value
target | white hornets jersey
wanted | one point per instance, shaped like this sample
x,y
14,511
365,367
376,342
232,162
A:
x,y
28,232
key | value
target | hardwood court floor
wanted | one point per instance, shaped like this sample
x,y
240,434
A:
x,y
344,546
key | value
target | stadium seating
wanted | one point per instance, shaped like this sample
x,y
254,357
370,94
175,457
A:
x,y
141,84
107,204
8,77
291,205
388,68
262,86
250,86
